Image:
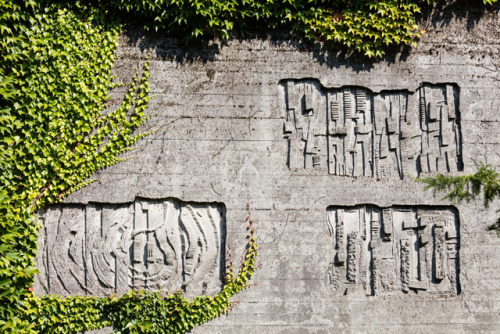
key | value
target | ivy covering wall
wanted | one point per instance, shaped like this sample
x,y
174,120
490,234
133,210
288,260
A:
x,y
55,77
367,27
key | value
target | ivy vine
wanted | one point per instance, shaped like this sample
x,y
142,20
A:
x,y
367,27
55,71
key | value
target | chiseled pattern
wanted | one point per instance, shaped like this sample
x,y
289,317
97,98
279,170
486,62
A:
x,y
354,132
154,245
391,250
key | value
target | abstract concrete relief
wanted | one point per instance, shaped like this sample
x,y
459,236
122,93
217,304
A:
x,y
101,249
354,132
386,251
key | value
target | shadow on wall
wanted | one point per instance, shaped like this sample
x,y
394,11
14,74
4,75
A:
x,y
441,14
434,16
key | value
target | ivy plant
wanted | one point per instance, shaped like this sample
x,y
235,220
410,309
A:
x,y
367,27
55,78
55,71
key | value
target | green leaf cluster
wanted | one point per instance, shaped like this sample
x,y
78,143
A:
x,y
367,27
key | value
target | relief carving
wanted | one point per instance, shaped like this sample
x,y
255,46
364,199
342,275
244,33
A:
x,y
354,132
408,250
101,249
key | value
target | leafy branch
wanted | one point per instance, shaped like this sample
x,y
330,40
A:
x,y
485,181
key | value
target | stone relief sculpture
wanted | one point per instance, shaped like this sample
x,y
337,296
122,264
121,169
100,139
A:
x,y
386,251
101,249
354,132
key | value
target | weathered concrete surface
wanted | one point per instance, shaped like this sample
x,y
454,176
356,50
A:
x,y
219,119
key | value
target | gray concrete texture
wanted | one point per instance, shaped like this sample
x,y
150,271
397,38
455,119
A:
x,y
321,147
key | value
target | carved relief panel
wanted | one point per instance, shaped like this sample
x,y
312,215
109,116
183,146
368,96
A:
x,y
386,251
150,244
354,132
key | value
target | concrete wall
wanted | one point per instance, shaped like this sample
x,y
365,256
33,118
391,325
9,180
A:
x,y
220,113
